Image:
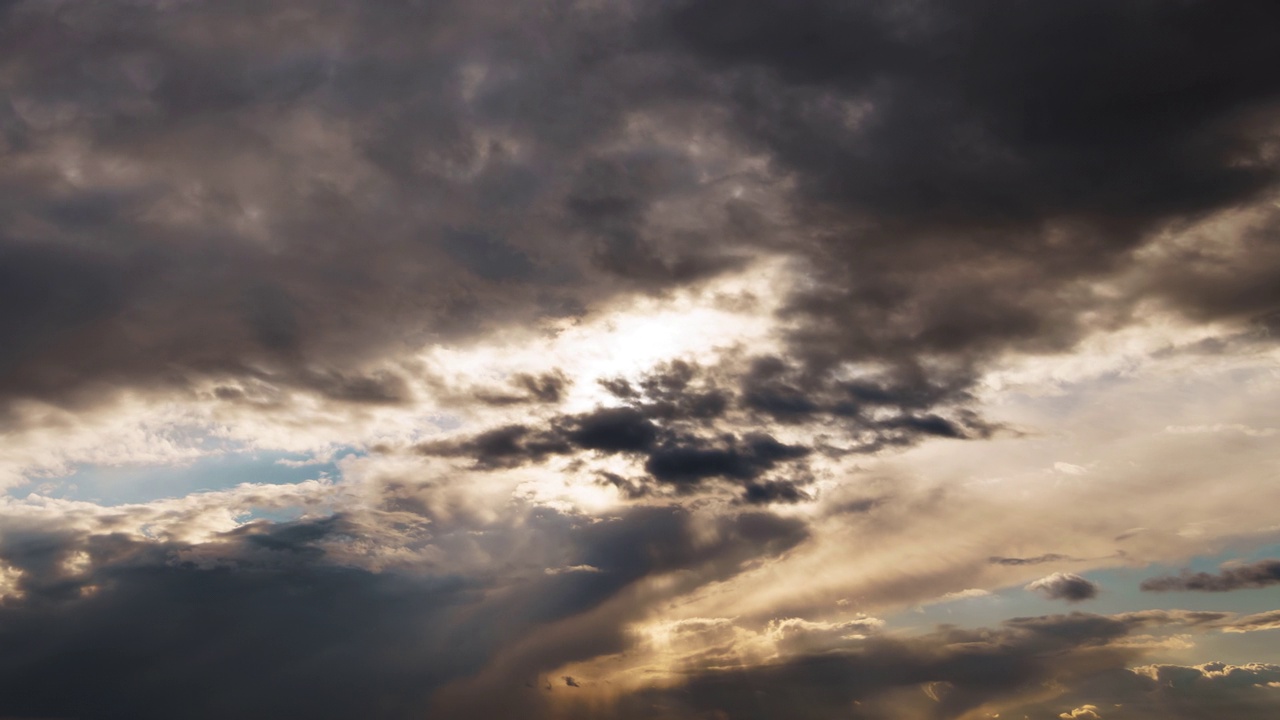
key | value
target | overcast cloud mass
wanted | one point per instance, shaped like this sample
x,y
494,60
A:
x,y
680,359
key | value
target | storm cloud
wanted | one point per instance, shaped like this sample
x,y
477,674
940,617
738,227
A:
x,y
688,358
288,621
957,173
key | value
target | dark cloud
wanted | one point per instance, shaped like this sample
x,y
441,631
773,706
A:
x,y
546,387
1036,560
689,460
255,199
609,430
397,174
274,620
691,551
962,169
1177,692
949,673
990,115
671,423
683,421
253,626
1262,573
779,389
251,206
1065,586
890,409
659,539
502,447
673,458
1191,618
613,430
302,211
774,491
630,488
677,390
48,295
270,620
1257,621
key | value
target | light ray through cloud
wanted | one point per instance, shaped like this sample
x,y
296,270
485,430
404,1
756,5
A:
x,y
680,359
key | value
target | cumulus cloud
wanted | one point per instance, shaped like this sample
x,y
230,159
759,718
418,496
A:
x,y
1065,586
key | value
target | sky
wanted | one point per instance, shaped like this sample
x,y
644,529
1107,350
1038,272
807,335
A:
x,y
639,359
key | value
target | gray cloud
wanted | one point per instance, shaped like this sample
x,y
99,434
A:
x,y
298,197
951,672
274,619
1262,573
547,387
259,624
1036,560
962,170
670,457
247,207
1065,586
297,211
686,424
677,423
1251,623
1158,692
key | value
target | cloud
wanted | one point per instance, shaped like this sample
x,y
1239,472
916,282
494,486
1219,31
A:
x,y
691,460
1085,711
1065,586
942,216
573,569
683,425
614,430
966,594
1036,560
961,213
122,617
1262,573
793,636
774,491
1190,618
631,323
651,430
949,673
157,622
1251,623
273,270
548,387
506,446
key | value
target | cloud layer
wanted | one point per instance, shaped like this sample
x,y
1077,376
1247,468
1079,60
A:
x,y
681,359
1258,574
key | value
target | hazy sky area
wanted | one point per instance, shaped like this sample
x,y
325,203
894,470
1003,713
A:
x,y
639,359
